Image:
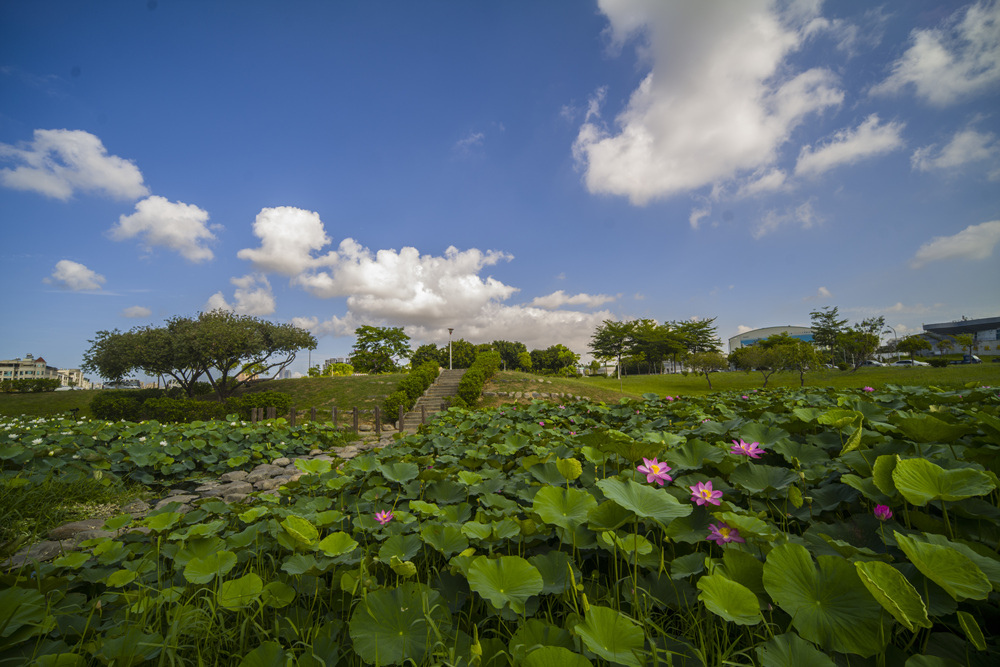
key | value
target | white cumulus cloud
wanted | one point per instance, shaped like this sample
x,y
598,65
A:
x,y
719,102
559,299
955,61
975,242
253,297
289,236
74,276
58,163
802,215
174,225
137,311
965,147
869,139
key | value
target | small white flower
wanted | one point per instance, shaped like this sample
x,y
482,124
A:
x,y
142,439
163,443
36,441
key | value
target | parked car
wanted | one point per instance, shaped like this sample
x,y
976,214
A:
x,y
909,362
872,362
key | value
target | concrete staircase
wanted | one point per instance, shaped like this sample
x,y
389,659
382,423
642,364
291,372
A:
x,y
432,400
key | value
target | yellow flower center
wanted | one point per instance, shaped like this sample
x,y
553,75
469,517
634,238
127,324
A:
x,y
706,494
654,468
724,532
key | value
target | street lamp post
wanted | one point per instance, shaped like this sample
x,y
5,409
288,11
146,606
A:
x,y
895,340
449,348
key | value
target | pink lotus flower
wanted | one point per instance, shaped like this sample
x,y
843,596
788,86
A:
x,y
723,533
746,397
883,513
384,517
753,450
541,423
702,493
654,471
869,389
668,398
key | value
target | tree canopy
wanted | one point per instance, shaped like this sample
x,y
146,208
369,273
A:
x,y
222,346
377,349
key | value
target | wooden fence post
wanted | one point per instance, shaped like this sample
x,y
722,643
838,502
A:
x,y
335,416
355,419
291,417
378,422
272,412
312,415
402,416
423,414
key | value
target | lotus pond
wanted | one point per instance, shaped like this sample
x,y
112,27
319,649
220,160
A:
x,y
787,528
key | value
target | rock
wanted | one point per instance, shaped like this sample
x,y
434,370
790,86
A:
x,y
263,471
236,487
137,508
42,551
364,428
85,535
182,499
315,452
69,530
234,497
234,476
268,484
284,462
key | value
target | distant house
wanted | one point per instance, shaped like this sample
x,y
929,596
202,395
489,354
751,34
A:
x,y
28,368
73,377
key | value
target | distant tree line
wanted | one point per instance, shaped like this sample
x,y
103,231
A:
x,y
387,350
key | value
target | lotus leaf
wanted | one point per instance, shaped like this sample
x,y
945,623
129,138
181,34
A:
x,y
920,482
337,544
268,654
238,593
643,500
953,571
611,635
894,593
507,581
730,600
203,570
790,650
828,604
565,507
394,625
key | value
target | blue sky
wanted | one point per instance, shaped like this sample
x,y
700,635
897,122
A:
x,y
519,170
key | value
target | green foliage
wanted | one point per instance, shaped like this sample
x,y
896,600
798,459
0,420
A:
x,y
378,349
913,344
471,384
708,362
529,532
510,354
29,385
553,359
937,362
136,405
410,389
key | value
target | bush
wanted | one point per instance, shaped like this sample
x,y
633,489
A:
x,y
938,363
843,366
411,388
115,404
241,405
182,410
393,402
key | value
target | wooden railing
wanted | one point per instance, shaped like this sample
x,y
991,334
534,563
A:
x,y
336,416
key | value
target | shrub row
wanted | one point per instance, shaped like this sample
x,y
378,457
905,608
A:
x,y
162,405
29,385
937,363
471,386
410,389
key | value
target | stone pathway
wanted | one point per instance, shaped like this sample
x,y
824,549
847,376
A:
x,y
236,486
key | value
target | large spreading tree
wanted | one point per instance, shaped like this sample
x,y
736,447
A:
x,y
225,348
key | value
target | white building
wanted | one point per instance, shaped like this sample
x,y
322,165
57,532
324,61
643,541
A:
x,y
751,337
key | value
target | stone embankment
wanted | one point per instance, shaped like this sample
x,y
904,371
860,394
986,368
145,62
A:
x,y
237,486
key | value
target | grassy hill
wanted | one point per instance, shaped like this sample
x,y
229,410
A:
x,y
364,392
367,391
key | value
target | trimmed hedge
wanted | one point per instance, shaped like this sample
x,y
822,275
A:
x,y
170,406
29,385
481,370
410,389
